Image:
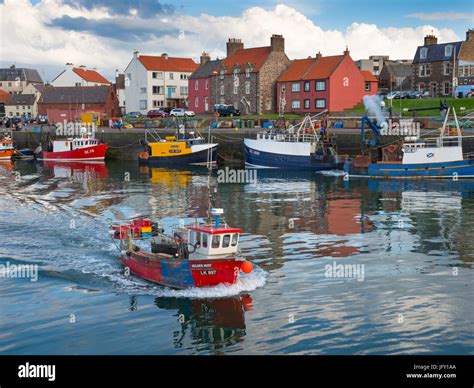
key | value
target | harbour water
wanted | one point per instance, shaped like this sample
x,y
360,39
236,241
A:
x,y
341,267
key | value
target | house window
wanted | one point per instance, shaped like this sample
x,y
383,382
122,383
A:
x,y
367,86
171,75
247,87
448,50
320,85
128,78
206,103
283,88
143,90
143,104
295,87
320,103
222,90
236,89
423,53
196,102
156,90
306,104
446,68
447,88
154,75
207,83
247,72
295,104
78,84
222,74
156,103
236,72
184,76
183,90
196,85
306,86
424,71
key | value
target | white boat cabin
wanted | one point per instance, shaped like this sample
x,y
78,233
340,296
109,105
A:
x,y
73,144
212,241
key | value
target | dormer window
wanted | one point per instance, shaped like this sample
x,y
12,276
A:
x,y
423,53
236,72
448,50
247,72
222,74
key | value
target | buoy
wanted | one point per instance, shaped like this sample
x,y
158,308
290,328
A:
x,y
246,267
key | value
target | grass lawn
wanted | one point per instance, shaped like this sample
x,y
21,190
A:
x,y
400,105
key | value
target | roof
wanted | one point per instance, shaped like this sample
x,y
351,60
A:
x,y
397,69
4,96
23,74
75,95
21,99
206,70
311,68
368,76
256,57
436,52
213,230
160,63
90,75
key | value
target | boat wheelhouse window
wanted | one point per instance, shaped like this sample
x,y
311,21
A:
x,y
198,237
204,240
216,241
235,239
226,241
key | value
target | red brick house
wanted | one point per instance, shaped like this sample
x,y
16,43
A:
x,y
199,85
68,103
334,83
247,77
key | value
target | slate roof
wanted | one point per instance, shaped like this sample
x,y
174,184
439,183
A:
x,y
75,95
21,99
436,52
401,70
206,70
23,74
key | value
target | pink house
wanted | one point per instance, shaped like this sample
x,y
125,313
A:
x,y
199,85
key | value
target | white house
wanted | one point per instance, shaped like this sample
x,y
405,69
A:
x,y
153,82
79,76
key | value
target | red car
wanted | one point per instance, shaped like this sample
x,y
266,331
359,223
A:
x,y
157,113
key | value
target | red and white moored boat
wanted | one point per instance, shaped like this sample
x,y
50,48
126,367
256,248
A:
x,y
7,148
196,256
85,149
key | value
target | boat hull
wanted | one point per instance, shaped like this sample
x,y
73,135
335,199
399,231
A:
x,y
445,170
85,154
6,154
182,273
195,158
259,158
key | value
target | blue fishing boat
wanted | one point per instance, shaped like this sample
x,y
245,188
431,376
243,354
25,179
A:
x,y
414,157
305,146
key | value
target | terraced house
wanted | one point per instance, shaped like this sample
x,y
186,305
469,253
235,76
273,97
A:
x,y
440,67
246,78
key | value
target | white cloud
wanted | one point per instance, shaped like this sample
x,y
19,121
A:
x,y
28,38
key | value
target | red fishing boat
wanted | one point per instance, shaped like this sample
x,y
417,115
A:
x,y
7,148
196,256
85,149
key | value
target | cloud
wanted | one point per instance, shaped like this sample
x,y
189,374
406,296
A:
x,y
442,16
142,8
54,32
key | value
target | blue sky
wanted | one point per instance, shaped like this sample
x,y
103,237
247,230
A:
x,y
103,33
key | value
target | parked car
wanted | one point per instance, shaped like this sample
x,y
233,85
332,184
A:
x,y
414,94
392,95
167,109
42,119
426,94
132,115
180,112
157,113
226,110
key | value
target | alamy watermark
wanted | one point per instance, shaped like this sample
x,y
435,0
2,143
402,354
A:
x,y
348,271
403,128
229,175
17,271
71,129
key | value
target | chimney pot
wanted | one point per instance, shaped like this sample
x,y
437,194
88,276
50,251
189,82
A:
x,y
277,43
430,40
233,45
470,34
319,55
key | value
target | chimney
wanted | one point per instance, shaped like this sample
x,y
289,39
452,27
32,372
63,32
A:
x,y
69,65
205,58
430,40
277,43
116,73
164,56
319,55
12,66
470,34
82,67
346,51
233,45
136,53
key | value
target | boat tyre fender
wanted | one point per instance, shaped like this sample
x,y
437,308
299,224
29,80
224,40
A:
x,y
392,148
143,155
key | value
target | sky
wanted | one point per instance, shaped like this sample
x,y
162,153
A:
x,y
102,34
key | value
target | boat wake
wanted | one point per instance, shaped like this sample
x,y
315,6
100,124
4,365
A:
x,y
331,172
135,286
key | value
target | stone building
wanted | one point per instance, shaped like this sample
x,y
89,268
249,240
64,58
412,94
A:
x,y
246,78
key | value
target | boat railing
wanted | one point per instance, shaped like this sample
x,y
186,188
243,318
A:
x,y
290,137
153,134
